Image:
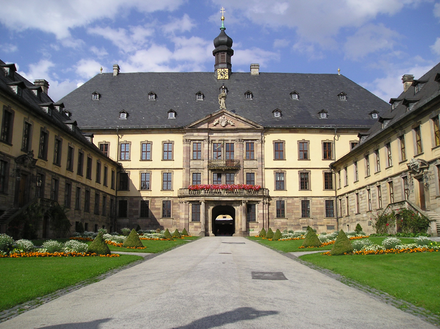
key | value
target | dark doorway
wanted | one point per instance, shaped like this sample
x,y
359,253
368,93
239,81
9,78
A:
x,y
223,221
22,190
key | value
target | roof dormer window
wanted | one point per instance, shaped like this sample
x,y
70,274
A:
x,y
277,113
294,95
96,96
374,115
171,114
385,123
200,96
152,96
17,87
418,87
248,95
123,115
323,114
342,96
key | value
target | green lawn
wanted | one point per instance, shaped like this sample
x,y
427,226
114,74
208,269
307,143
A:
x,y
155,246
411,277
24,279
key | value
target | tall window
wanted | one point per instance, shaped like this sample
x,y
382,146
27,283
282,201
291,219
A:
x,y
345,176
250,151
42,149
57,151
369,206
80,167
379,197
145,181
357,203
146,151
69,165
54,189
104,147
279,150
279,181
280,209
166,181
123,181
96,207
89,168
304,180
7,125
402,148
327,150
435,122
195,212
145,209
217,151
196,178
367,165
355,171
328,181
389,155
98,172
197,151
26,141
167,151
166,208
250,178
391,191
67,194
303,150
112,180
87,201
229,151
3,176
406,186
418,139
230,178
347,206
104,205
250,212
329,208
78,198
124,151
216,178
305,208
122,208
377,158
105,176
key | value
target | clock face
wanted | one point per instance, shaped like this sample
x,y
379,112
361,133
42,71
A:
x,y
222,74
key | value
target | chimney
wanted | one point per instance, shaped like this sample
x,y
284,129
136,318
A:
x,y
43,84
255,69
407,80
116,70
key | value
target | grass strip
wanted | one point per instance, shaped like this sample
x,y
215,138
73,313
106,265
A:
x,y
410,277
156,246
24,279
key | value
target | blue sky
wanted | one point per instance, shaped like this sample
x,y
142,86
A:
x,y
373,42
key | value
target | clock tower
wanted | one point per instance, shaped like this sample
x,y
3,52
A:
x,y
223,53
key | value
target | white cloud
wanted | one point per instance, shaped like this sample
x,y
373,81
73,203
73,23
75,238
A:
x,y
183,25
87,68
280,43
436,47
59,17
40,70
8,47
369,39
59,89
99,52
154,59
437,10
254,55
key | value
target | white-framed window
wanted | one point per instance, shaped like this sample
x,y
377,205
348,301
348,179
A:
x,y
171,114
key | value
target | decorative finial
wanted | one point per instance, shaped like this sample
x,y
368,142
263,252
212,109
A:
x,y
339,71
101,69
222,11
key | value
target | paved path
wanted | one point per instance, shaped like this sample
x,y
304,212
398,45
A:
x,y
209,283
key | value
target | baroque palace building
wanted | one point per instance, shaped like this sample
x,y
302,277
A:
x,y
397,163
226,152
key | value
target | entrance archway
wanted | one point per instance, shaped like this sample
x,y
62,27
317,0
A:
x,y
223,220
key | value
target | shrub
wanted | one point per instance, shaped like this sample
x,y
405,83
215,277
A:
x,y
167,235
262,233
185,232
384,221
422,241
411,222
342,245
269,234
125,231
277,235
311,239
6,242
99,246
176,234
390,243
52,246
74,245
133,240
103,230
24,245
358,228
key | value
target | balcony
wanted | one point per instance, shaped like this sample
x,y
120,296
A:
x,y
224,164
186,192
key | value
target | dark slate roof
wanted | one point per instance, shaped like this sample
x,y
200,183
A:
x,y
409,101
177,91
35,104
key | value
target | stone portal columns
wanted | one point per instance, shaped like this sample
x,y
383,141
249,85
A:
x,y
203,218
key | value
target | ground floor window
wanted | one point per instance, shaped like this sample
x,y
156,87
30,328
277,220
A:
x,y
195,212
122,208
145,209
280,209
166,208
305,208
329,208
250,213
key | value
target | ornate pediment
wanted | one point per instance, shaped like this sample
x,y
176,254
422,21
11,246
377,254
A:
x,y
224,120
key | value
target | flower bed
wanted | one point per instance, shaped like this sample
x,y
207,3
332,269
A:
x,y
54,254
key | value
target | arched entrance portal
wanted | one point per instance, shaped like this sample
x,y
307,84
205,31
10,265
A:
x,y
223,220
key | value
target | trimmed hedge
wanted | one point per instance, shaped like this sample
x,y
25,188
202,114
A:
x,y
133,240
99,246
342,245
